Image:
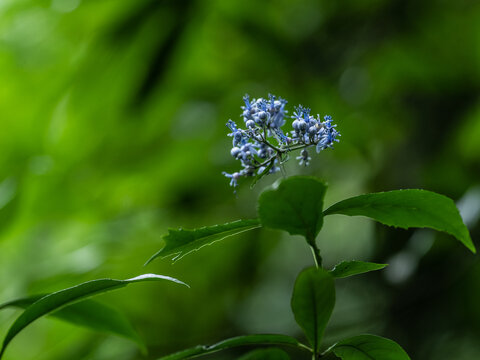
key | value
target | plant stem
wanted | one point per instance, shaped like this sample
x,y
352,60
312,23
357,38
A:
x,y
315,252
296,147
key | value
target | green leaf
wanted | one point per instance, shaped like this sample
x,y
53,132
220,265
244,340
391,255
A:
x,y
368,347
349,268
181,242
90,314
294,205
406,209
235,342
312,303
266,354
62,298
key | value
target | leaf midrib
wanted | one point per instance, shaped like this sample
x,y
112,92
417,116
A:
x,y
358,349
379,207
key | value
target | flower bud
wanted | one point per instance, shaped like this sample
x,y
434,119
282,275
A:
x,y
235,151
295,125
302,125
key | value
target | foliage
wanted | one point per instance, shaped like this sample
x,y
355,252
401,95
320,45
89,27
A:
x,y
368,347
113,130
349,268
296,206
181,242
312,303
90,314
57,300
408,208
263,339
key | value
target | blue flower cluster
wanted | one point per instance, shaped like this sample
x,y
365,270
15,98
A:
x,y
262,146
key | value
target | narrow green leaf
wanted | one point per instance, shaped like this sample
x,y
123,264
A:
x,y
368,347
266,354
312,303
294,205
62,298
182,242
235,342
90,314
406,209
349,268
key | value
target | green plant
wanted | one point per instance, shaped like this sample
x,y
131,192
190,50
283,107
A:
x,y
295,205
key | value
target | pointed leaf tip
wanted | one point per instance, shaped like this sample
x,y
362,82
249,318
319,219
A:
x,y
350,268
181,242
58,300
406,209
312,303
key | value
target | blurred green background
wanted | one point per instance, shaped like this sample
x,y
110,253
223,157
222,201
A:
x,y
112,119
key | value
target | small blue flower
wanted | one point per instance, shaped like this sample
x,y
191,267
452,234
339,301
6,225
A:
x,y
233,178
304,158
263,143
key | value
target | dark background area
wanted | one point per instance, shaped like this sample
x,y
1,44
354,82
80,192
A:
x,y
113,129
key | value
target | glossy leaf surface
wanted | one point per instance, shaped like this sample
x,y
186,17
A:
x,y
406,209
369,347
266,354
89,314
313,301
235,342
294,205
59,299
350,268
181,242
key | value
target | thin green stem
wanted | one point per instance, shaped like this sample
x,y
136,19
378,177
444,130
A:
x,y
296,147
274,147
315,252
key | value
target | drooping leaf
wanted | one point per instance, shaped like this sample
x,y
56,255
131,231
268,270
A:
x,y
294,205
181,242
90,314
266,354
350,268
368,347
312,303
406,209
62,298
235,342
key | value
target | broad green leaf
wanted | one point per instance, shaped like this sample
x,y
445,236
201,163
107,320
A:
x,y
90,314
349,268
235,342
369,347
294,205
62,298
181,242
266,354
406,209
312,303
